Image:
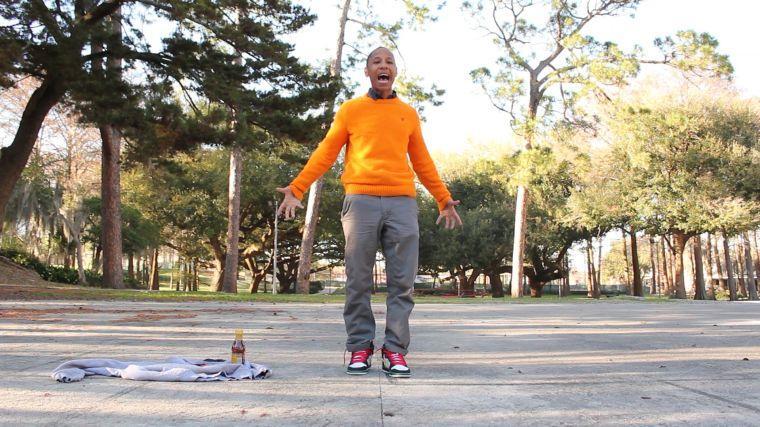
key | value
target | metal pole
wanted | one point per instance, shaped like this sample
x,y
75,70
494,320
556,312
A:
x,y
274,269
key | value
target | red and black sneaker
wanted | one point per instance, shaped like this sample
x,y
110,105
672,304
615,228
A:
x,y
394,364
361,360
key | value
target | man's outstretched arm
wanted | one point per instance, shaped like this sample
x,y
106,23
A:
x,y
320,161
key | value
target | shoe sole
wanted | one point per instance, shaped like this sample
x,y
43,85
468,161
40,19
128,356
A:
x,y
357,372
397,374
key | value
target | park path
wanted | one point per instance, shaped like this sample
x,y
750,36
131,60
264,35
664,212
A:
x,y
602,363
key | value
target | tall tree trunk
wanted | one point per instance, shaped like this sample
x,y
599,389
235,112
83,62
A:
x,y
521,200
518,247
497,288
740,269
751,284
181,282
229,283
668,291
138,270
729,269
110,238
566,283
315,193
722,284
589,273
699,275
536,287
594,290
96,259
14,157
679,244
251,265
145,270
219,261
598,282
131,265
194,272
110,187
638,285
757,252
625,259
153,283
710,271
80,260
653,263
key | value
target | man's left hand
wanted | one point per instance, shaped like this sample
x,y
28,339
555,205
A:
x,y
450,216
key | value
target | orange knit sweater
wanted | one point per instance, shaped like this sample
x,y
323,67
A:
x,y
379,134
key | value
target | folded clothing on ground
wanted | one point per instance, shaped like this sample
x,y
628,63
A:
x,y
172,369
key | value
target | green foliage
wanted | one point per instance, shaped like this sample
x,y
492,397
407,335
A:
x,y
613,262
191,188
691,159
486,211
138,232
695,53
228,52
486,189
50,273
552,180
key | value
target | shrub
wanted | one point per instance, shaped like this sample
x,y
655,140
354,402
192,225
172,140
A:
x,y
315,287
51,273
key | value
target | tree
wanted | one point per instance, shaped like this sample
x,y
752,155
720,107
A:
x,y
551,173
62,172
477,248
548,64
692,155
63,44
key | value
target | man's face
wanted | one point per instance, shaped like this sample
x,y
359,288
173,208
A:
x,y
381,70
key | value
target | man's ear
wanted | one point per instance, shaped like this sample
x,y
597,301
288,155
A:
x,y
366,72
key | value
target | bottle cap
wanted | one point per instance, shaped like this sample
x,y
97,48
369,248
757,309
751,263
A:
x,y
238,334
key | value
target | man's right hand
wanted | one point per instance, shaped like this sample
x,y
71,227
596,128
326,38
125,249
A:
x,y
289,204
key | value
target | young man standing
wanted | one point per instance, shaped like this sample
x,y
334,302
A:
x,y
382,134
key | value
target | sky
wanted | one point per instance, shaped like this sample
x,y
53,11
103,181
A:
x,y
445,51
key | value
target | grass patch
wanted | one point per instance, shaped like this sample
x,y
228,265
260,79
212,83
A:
x,y
70,292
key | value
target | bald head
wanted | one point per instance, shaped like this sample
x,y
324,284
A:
x,y
378,50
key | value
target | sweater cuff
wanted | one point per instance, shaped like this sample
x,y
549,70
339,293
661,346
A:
x,y
296,192
442,203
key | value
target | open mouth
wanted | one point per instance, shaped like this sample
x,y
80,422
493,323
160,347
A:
x,y
383,77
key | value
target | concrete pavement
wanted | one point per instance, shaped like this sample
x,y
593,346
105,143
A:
x,y
604,363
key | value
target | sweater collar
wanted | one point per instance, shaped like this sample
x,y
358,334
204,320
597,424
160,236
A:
x,y
372,93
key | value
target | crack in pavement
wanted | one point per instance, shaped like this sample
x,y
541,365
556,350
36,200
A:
x,y
713,396
380,387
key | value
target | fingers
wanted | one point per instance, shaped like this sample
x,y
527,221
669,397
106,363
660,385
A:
x,y
458,219
448,222
281,209
283,190
287,209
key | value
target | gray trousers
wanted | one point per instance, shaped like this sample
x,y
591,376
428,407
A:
x,y
391,222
